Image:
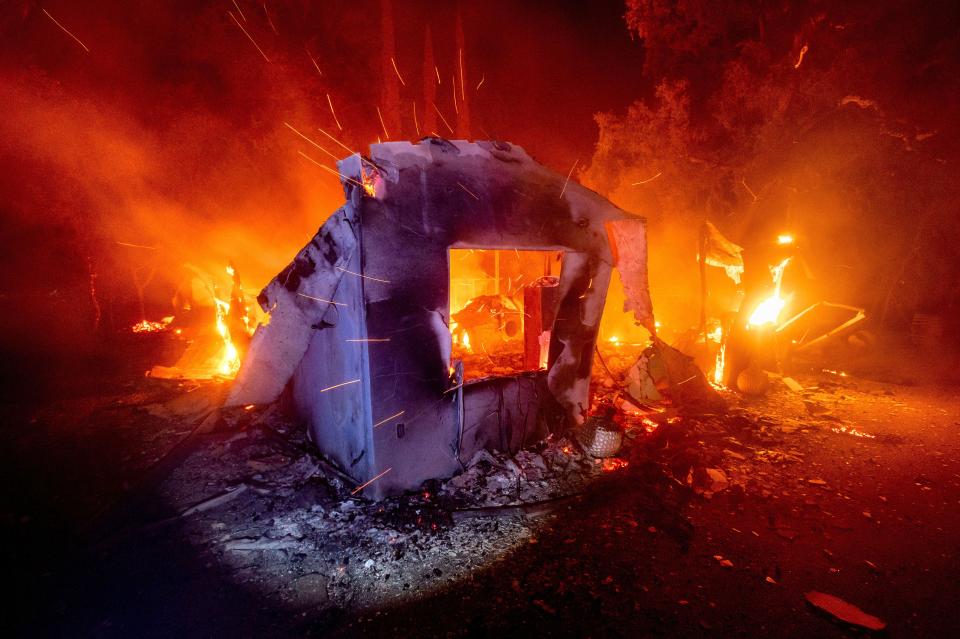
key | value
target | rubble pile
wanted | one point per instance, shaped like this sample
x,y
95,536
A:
x,y
297,526
253,497
557,468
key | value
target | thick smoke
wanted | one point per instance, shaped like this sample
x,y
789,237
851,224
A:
x,y
169,133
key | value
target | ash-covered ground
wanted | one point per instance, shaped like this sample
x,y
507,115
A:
x,y
138,510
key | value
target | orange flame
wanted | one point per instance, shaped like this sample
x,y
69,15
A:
x,y
721,358
229,362
147,326
369,182
460,338
769,309
613,463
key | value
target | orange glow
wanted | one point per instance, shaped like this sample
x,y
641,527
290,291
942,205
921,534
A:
x,y
785,238
216,353
721,358
613,463
460,338
369,182
768,311
146,326
649,425
229,362
850,430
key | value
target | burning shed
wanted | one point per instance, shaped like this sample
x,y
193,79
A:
x,y
360,321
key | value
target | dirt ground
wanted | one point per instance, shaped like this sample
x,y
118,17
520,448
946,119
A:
x,y
718,524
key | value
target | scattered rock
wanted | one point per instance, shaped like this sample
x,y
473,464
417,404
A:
x,y
717,480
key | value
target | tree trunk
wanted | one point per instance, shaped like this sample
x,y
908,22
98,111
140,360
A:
x,y
429,122
390,87
463,115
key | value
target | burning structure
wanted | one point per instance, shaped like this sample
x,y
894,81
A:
x,y
446,315
360,320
